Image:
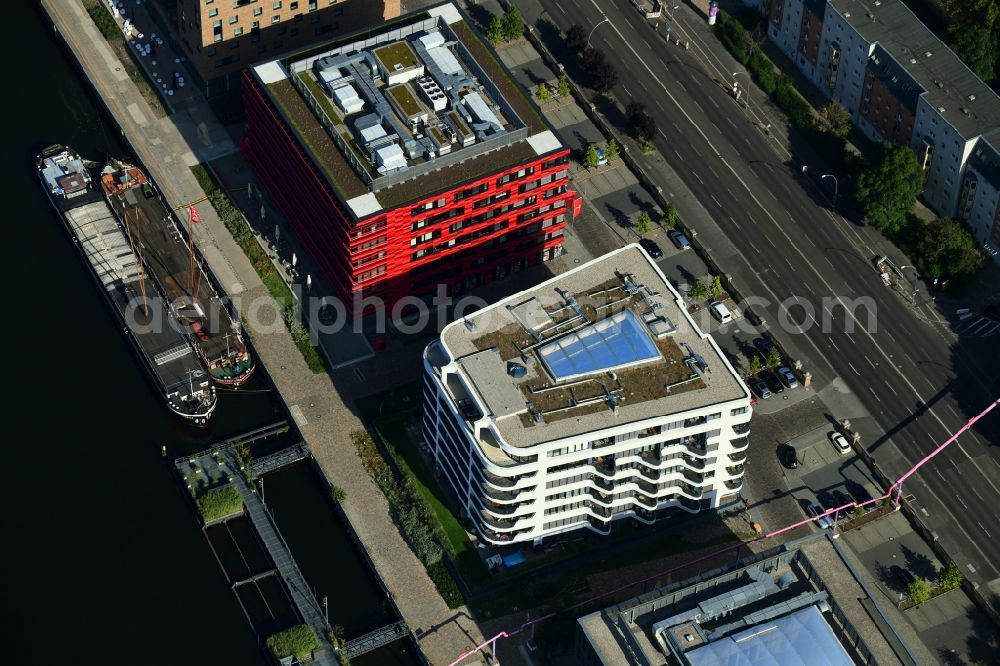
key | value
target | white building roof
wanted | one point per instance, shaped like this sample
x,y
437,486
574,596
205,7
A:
x,y
347,99
390,158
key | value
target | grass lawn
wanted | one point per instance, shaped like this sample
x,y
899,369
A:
x,y
408,457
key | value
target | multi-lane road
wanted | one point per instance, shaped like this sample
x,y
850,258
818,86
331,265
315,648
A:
x,y
917,382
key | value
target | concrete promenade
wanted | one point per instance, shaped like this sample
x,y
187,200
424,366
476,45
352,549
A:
x,y
168,147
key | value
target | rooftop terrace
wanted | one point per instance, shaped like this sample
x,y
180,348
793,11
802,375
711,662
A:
x,y
606,344
418,108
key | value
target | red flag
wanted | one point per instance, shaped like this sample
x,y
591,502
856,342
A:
x,y
193,212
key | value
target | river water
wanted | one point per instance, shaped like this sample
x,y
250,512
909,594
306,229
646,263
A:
x,y
102,555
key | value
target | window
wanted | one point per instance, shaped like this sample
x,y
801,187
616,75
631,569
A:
x,y
276,5
312,5
293,6
233,20
257,11
237,32
255,25
275,19
212,13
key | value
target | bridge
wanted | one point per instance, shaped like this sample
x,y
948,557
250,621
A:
x,y
279,459
376,639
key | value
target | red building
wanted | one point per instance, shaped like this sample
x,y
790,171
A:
x,y
407,160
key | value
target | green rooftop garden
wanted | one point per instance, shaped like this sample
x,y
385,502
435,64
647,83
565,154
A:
x,y
397,53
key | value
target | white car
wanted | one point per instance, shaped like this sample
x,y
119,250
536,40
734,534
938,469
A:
x,y
840,443
720,312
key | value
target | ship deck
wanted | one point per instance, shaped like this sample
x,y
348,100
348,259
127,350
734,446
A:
x,y
166,255
166,349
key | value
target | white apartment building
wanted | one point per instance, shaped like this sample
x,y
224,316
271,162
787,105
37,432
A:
x,y
901,84
589,398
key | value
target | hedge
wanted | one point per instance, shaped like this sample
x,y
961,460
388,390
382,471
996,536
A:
x,y
299,640
219,503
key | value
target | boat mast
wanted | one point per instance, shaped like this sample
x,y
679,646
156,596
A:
x,y
138,252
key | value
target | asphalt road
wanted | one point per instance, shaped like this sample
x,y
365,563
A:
x,y
917,384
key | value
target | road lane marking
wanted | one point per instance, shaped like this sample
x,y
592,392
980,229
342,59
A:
x,y
733,220
626,90
662,133
642,85
834,345
889,386
715,200
714,103
874,394
851,366
770,192
714,175
985,531
730,121
682,85
789,264
698,177
869,361
768,239
561,10
659,105
754,247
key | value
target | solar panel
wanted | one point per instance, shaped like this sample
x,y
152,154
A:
x,y
616,342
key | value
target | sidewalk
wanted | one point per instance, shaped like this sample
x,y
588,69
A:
x,y
315,401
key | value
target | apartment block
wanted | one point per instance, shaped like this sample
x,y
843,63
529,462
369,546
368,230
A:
x,y
900,84
406,159
222,37
590,398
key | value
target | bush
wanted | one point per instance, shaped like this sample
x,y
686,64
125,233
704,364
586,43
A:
x,y
643,223
670,216
338,494
299,640
611,151
513,24
562,87
919,591
792,103
104,21
495,32
698,291
542,92
950,577
590,158
716,286
219,503
445,584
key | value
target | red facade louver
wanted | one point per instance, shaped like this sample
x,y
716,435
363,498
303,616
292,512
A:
x,y
465,236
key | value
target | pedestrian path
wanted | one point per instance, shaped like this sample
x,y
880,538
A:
x,y
168,147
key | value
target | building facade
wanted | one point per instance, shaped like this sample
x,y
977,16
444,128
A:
x,y
589,398
408,160
900,84
222,37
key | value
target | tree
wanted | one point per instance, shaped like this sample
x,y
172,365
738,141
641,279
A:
x,y
562,87
605,77
670,216
611,152
576,37
754,364
590,158
975,34
591,58
643,223
542,92
946,247
888,189
950,577
919,591
698,291
715,286
513,24
634,111
834,119
645,129
495,32
773,358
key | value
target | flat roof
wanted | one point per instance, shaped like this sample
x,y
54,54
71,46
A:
x,y
802,637
589,353
969,104
786,605
424,76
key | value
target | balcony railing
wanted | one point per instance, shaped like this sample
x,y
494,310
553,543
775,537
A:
x,y
646,501
735,470
741,428
602,498
738,458
601,482
692,476
696,463
653,474
734,484
651,457
740,443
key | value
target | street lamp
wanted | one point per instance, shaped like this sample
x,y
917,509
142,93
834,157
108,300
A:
x,y
836,187
747,89
606,19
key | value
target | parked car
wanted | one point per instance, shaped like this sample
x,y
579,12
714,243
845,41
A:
x,y
680,240
602,159
787,378
772,382
651,248
840,443
789,456
722,313
760,388
763,345
834,499
815,511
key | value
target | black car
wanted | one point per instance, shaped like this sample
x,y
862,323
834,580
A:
x,y
651,248
772,382
680,240
760,389
788,456
763,345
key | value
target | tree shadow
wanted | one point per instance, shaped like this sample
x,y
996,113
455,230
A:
x,y
919,564
686,275
619,216
480,15
642,204
983,644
